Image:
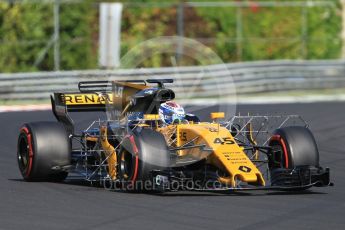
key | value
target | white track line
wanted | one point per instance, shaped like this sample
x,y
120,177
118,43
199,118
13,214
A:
x,y
238,100
266,100
23,108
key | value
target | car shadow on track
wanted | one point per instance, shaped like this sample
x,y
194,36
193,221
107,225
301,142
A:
x,y
86,184
251,193
80,184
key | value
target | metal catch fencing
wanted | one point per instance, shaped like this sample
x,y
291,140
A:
x,y
191,82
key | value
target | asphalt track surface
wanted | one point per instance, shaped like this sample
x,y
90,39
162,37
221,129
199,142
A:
x,y
25,205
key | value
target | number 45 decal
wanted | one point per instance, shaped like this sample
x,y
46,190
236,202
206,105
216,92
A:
x,y
224,140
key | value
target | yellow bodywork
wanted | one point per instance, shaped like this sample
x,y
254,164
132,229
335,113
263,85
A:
x,y
221,150
109,152
218,115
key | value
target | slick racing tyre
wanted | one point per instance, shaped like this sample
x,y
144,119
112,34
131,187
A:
x,y
141,153
43,149
297,145
292,147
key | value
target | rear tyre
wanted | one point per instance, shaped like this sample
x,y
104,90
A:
x,y
43,150
292,147
142,153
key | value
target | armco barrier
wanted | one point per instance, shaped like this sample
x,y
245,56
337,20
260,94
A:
x,y
194,81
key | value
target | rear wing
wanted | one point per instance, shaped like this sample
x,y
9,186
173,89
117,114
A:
x,y
95,95
98,96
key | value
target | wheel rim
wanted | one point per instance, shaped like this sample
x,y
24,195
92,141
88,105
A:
x,y
23,154
126,165
279,160
279,145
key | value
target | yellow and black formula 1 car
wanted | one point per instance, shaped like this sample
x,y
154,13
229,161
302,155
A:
x,y
134,149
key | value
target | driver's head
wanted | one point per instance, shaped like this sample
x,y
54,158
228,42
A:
x,y
171,112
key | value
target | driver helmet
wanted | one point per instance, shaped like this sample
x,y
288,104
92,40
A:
x,y
171,112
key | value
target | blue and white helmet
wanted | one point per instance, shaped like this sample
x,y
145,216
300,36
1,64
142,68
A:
x,y
171,111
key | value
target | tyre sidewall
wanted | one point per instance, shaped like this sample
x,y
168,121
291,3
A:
x,y
51,148
300,145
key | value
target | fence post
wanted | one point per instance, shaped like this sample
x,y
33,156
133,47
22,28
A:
x,y
304,31
180,30
57,35
342,2
239,33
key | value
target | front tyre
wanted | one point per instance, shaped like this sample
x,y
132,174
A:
x,y
142,152
293,158
297,147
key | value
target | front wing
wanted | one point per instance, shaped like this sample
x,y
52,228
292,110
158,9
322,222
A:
x,y
300,178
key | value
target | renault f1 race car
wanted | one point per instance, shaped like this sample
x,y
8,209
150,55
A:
x,y
135,149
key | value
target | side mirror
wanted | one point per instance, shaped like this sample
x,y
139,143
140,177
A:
x,y
218,115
